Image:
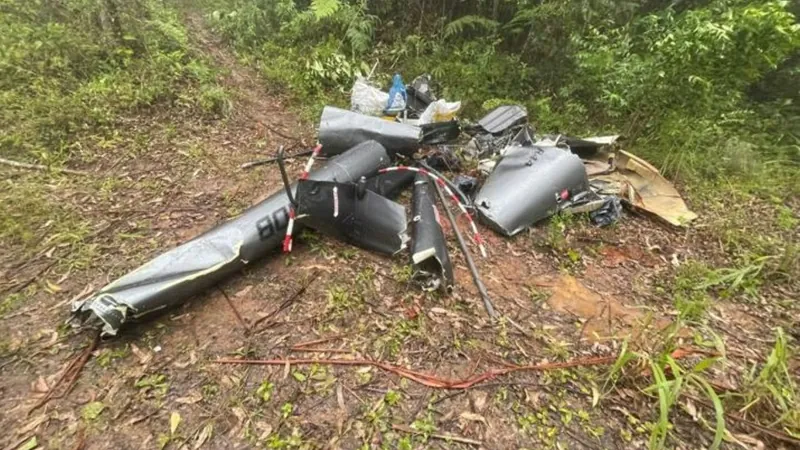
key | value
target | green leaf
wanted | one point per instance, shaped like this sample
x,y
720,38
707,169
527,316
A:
x,y
30,445
174,421
92,411
299,376
704,364
324,8
659,434
719,411
163,440
469,22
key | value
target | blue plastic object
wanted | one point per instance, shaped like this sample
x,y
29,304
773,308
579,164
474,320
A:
x,y
397,94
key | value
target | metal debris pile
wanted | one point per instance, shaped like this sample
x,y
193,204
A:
x,y
372,153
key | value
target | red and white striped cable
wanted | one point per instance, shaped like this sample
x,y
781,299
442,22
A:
x,y
287,240
310,163
475,234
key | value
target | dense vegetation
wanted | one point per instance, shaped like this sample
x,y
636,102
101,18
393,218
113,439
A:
x,y
77,65
701,87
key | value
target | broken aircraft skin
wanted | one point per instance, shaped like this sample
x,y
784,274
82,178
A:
x,y
173,277
390,184
503,118
429,257
350,212
340,130
526,186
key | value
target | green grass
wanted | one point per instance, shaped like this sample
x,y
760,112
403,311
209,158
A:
x,y
772,389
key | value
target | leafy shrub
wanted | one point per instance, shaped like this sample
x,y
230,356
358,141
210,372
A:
x,y
77,64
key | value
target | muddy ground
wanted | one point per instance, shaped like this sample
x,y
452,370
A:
x,y
565,290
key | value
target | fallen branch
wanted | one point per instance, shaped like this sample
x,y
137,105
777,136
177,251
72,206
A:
x,y
279,133
262,162
775,434
444,437
72,372
27,166
286,302
319,341
436,381
235,311
319,350
20,286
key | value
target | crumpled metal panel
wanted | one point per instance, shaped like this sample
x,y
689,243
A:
x,y
340,130
440,132
350,212
429,257
502,118
173,277
390,184
525,187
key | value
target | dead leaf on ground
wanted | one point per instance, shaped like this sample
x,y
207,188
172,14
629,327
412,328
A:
x,y
244,291
192,398
142,356
32,425
471,417
40,386
204,436
190,362
478,400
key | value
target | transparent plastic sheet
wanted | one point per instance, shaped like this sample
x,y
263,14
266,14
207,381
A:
x,y
439,111
175,276
367,99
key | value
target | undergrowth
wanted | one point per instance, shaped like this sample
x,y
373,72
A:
x,y
74,67
767,393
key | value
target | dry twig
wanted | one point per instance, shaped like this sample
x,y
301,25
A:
x,y
27,166
445,383
71,373
444,437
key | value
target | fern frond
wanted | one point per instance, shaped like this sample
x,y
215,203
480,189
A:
x,y
359,34
324,8
469,23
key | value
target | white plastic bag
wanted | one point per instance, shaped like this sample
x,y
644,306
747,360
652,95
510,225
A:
x,y
439,111
367,99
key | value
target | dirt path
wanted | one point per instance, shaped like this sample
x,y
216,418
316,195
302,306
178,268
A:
x,y
185,178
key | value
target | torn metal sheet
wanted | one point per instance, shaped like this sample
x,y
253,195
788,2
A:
x,y
390,184
503,118
173,277
429,257
440,132
466,184
339,130
528,185
643,187
485,145
420,94
586,147
350,212
584,202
